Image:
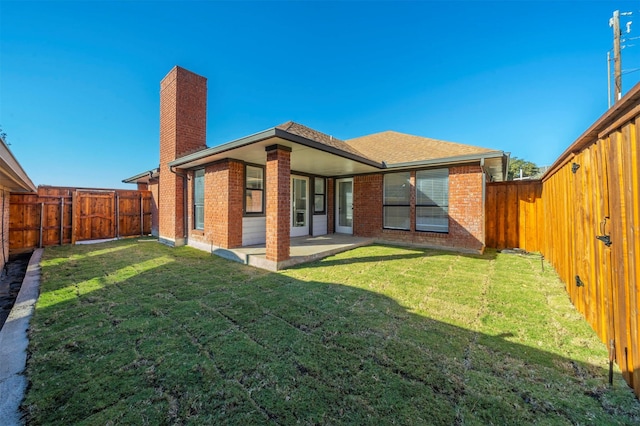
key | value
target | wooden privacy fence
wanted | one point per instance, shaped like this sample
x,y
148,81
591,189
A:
x,y
59,215
514,215
586,216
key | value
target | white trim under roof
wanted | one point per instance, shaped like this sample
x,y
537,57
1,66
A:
x,y
143,177
312,157
12,175
307,155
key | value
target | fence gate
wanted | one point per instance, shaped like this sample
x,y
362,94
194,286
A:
x,y
95,215
62,215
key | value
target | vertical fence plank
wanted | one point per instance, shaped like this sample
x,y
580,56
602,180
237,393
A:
x,y
141,216
74,217
41,225
61,220
630,189
635,195
618,247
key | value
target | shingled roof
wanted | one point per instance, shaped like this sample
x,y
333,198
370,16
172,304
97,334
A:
x,y
314,135
394,147
378,151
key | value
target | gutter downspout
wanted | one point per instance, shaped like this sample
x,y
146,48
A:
x,y
184,199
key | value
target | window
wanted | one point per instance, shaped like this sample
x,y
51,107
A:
x,y
432,200
254,190
319,200
397,189
198,199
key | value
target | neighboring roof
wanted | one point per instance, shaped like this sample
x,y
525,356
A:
x,y
12,175
393,147
143,177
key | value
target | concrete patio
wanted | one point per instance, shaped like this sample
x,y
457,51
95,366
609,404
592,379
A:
x,y
303,249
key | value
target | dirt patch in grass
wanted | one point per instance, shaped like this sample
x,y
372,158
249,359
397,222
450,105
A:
x,y
141,333
11,279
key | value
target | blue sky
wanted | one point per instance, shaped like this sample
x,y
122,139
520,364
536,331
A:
x,y
79,81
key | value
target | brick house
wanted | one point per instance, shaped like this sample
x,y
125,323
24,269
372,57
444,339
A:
x,y
293,181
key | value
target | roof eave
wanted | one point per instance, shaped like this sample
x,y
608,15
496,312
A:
x,y
13,170
267,134
247,140
326,148
467,158
150,174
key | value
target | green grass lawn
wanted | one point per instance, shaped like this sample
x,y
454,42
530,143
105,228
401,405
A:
x,y
132,332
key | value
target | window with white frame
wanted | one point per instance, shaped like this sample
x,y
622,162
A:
x,y
432,200
198,199
396,200
319,198
254,190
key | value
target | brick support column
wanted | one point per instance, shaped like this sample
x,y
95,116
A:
x,y
278,202
183,113
466,224
224,187
367,205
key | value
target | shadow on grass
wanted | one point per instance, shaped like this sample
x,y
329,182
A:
x,y
191,338
408,253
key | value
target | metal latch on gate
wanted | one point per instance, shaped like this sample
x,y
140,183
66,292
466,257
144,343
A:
x,y
605,238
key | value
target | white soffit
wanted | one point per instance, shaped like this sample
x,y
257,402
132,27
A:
x,y
304,159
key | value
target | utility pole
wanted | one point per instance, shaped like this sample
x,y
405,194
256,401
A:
x,y
609,79
617,65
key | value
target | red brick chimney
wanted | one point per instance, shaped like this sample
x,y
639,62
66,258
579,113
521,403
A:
x,y
183,128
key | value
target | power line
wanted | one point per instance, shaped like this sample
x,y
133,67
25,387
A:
x,y
618,46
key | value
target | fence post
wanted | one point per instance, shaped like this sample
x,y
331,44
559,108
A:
x,y
61,220
41,223
114,213
141,216
74,219
117,215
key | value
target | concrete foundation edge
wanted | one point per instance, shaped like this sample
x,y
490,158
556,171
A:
x,y
14,342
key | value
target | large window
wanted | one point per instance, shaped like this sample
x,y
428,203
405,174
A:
x,y
254,190
198,199
319,198
432,200
397,191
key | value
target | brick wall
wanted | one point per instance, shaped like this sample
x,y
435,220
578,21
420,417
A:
x,y
154,187
278,188
224,189
183,110
466,214
367,205
235,207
